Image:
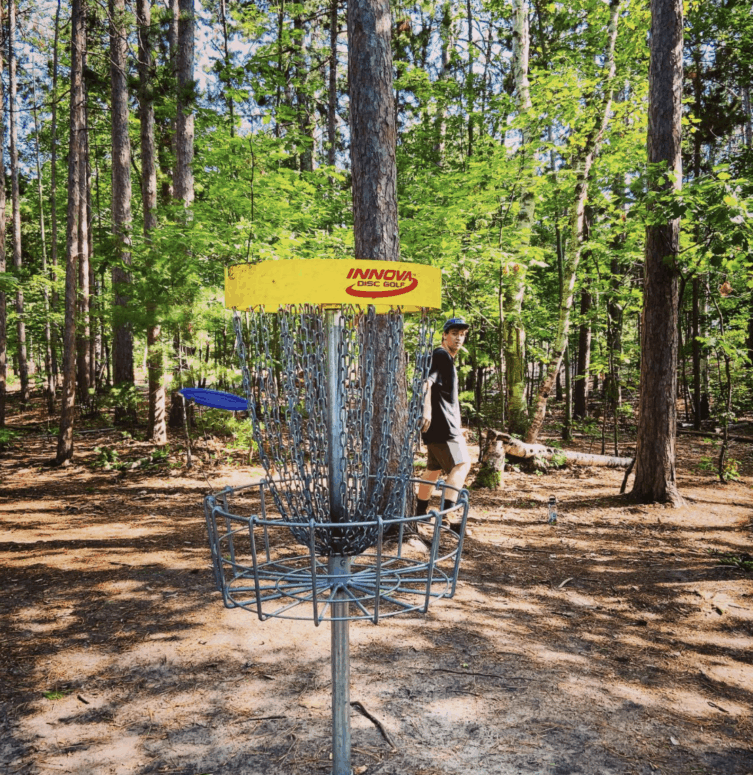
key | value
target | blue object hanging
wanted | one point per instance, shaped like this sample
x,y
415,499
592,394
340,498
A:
x,y
215,399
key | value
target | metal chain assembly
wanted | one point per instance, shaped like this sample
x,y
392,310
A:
x,y
335,417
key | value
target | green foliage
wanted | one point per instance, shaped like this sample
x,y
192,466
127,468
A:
x,y
107,458
7,437
487,478
57,694
742,562
124,396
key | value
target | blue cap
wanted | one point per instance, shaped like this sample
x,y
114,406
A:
x,y
455,323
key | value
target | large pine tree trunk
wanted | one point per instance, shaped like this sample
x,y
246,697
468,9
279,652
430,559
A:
x,y
23,364
373,132
655,475
76,169
372,152
577,227
122,336
156,430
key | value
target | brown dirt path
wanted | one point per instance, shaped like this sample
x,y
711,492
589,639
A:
x,y
613,642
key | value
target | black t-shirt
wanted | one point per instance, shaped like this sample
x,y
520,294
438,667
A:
x,y
445,408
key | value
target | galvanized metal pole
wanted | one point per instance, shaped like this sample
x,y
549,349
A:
x,y
335,436
339,567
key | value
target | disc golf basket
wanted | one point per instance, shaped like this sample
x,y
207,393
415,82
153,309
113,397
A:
x,y
336,422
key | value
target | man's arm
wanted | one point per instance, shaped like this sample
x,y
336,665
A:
x,y
426,421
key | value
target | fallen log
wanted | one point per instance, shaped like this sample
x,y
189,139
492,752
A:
x,y
517,448
715,435
499,444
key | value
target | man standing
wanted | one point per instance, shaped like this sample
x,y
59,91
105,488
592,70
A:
x,y
441,430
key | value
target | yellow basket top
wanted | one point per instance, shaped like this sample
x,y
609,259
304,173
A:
x,y
334,282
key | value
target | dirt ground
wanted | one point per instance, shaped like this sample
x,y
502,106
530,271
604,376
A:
x,y
617,641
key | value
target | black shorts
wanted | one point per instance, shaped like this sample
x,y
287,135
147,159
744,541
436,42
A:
x,y
445,455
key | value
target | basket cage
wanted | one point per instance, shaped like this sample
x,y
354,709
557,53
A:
x,y
255,567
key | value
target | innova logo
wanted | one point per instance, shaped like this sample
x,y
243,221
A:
x,y
380,283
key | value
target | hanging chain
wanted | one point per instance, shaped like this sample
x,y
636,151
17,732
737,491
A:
x,y
287,400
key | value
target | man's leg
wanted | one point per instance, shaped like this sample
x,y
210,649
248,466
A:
x,y
425,489
456,478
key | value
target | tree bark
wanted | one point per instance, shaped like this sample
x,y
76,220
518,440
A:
x,y
305,120
580,392
500,444
83,328
183,181
122,335
447,43
577,225
373,130
515,287
75,156
3,303
492,465
156,430
48,371
655,475
372,153
332,85
54,187
23,364
229,102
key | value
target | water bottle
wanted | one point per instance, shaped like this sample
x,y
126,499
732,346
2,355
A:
x,y
552,510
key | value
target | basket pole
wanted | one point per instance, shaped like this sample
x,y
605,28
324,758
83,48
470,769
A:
x,y
339,571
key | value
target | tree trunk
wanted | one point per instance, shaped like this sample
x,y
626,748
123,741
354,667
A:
x,y
48,371
515,288
577,225
54,188
580,392
492,464
23,365
122,335
372,130
75,170
183,183
83,329
3,303
306,124
156,430
372,153
655,476
447,42
332,97
229,102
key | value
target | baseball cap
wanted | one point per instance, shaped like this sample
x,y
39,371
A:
x,y
455,323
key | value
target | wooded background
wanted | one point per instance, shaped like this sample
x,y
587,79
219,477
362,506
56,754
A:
x,y
149,145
